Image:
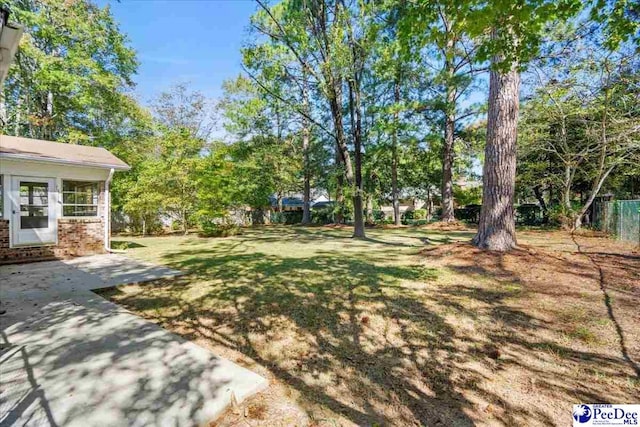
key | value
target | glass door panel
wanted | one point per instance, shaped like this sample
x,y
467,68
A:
x,y
34,205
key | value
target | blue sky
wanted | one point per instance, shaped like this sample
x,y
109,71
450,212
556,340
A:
x,y
183,41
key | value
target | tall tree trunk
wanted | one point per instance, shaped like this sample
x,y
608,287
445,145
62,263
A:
x,y
335,98
447,171
306,198
597,185
369,203
16,129
339,217
496,228
185,226
603,171
356,126
537,191
449,138
395,200
48,124
566,188
342,150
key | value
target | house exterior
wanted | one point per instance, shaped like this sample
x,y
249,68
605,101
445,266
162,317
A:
x,y
54,199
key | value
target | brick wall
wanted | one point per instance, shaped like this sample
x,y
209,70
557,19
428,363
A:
x,y
76,237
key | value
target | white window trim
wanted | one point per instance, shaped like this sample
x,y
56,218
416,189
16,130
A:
x,y
62,204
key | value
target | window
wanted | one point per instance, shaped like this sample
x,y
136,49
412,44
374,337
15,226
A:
x,y
79,198
34,205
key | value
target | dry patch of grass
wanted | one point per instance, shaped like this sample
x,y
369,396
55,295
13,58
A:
x,y
405,328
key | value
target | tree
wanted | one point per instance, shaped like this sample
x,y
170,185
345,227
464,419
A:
x,y
181,108
441,36
515,34
265,152
216,186
330,45
71,73
581,121
141,198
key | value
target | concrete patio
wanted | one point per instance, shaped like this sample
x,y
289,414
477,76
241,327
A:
x,y
71,358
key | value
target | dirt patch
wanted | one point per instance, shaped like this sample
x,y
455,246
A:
x,y
448,226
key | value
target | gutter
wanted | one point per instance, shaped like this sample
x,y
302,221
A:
x,y
10,35
107,213
26,157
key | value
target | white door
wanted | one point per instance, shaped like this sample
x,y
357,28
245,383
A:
x,y
34,211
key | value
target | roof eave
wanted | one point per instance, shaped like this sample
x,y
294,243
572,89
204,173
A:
x,y
65,162
13,33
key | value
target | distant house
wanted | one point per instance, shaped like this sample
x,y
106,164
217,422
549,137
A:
x,y
408,202
293,201
289,204
323,204
54,199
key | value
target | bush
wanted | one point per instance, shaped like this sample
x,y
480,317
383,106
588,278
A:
x,y
559,216
287,217
322,216
293,217
470,213
529,214
408,215
378,216
211,229
420,214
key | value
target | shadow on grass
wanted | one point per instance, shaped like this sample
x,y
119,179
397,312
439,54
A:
x,y
125,244
348,333
323,299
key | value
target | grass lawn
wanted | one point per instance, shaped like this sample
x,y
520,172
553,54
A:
x,y
405,328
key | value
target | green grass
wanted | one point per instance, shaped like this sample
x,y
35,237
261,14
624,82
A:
x,y
297,242
377,331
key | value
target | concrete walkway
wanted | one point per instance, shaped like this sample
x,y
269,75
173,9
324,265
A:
x,y
71,358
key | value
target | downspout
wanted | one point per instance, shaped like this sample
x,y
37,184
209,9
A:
x,y
107,213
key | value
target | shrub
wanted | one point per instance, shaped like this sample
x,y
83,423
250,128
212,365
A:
x,y
287,217
470,213
560,216
420,214
211,229
292,217
408,215
378,216
322,216
529,214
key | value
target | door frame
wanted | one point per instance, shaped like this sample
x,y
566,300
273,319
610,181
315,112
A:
x,y
34,236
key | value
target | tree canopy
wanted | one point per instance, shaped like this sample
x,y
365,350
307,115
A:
x,y
369,104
